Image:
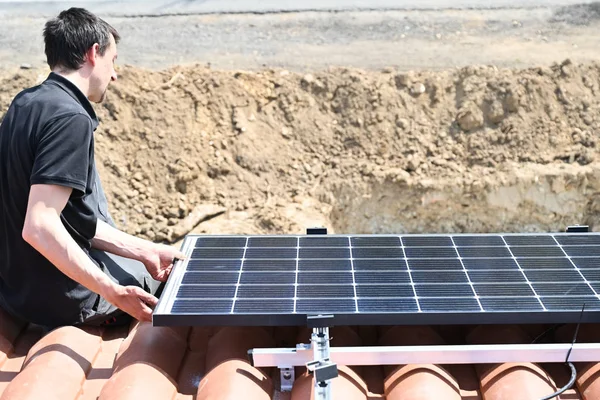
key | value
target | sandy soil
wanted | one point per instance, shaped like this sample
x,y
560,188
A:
x,y
190,148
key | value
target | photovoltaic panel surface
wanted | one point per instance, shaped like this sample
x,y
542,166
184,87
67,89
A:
x,y
384,279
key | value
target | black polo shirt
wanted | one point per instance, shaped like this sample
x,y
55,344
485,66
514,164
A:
x,y
46,137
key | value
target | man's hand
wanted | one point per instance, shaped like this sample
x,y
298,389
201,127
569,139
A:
x,y
134,301
159,261
157,258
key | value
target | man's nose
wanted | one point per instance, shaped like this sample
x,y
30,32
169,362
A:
x,y
113,76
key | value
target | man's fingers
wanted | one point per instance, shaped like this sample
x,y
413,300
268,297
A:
x,y
163,275
179,255
146,297
146,315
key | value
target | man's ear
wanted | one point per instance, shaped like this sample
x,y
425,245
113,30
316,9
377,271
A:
x,y
92,54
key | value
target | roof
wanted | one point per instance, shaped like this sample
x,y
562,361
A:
x,y
145,362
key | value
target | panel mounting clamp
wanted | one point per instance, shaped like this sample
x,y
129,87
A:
x,y
319,321
316,231
578,229
323,370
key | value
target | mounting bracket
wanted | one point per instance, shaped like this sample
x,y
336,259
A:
x,y
578,229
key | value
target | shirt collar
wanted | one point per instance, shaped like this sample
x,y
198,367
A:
x,y
75,93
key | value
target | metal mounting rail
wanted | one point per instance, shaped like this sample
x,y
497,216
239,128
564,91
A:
x,y
461,354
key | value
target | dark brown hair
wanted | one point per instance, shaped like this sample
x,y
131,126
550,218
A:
x,y
69,36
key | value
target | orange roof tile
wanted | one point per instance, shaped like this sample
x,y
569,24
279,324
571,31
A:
x,y
147,362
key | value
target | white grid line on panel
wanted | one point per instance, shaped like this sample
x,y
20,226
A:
x,y
297,270
237,286
466,274
576,267
410,274
523,273
353,278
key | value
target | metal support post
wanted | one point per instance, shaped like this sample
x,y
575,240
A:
x,y
321,367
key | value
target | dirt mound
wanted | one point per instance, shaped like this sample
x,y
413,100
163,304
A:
x,y
278,150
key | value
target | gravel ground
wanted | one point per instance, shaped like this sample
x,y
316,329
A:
x,y
315,40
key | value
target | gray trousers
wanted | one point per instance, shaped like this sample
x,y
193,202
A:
x,y
126,272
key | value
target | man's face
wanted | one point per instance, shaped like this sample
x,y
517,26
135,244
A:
x,y
104,73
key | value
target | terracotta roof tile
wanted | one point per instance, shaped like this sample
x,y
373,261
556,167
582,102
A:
x,y
103,364
211,363
148,355
235,379
347,386
64,355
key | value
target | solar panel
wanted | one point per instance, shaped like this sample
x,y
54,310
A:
x,y
384,279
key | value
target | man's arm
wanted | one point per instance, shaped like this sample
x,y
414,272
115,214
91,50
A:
x,y
117,242
158,259
44,231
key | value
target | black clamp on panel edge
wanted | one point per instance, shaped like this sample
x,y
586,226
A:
x,y
319,321
578,229
316,231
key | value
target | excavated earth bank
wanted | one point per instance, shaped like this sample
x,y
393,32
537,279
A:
x,y
477,149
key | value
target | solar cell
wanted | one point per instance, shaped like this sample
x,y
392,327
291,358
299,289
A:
x,y
385,290
509,304
467,240
503,289
384,279
491,263
379,264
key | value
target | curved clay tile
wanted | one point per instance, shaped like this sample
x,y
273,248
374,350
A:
x,y
232,343
421,382
191,372
588,374
417,381
160,346
230,375
235,379
347,386
408,336
199,337
509,380
147,364
193,366
56,366
371,374
11,368
140,381
10,328
560,374
588,333
102,367
588,380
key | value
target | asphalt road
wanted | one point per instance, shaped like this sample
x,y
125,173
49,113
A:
x,y
176,7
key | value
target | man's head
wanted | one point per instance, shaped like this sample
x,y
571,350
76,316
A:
x,y
77,40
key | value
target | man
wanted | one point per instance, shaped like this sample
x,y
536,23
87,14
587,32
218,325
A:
x,y
61,260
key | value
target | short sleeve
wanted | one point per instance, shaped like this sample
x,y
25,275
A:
x,y
62,153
